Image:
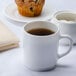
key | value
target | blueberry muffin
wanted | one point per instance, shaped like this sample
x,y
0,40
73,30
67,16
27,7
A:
x,y
30,8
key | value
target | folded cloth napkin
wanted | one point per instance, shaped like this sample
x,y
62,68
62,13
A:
x,y
8,39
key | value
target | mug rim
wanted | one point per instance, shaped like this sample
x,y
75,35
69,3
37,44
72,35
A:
x,y
38,35
64,11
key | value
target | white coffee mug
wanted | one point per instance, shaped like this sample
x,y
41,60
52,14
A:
x,y
66,20
41,52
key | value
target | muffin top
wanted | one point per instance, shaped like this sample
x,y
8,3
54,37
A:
x,y
25,2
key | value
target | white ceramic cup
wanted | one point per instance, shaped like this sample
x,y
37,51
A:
x,y
41,52
66,20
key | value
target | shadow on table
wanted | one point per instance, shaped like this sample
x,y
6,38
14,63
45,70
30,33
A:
x,y
59,67
59,70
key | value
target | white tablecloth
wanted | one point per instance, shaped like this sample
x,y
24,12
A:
x,y
11,61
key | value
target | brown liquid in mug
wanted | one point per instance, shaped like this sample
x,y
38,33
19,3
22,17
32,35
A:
x,y
40,32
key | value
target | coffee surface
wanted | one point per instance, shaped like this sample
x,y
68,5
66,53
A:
x,y
40,31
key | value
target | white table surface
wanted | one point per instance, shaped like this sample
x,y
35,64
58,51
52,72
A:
x,y
11,61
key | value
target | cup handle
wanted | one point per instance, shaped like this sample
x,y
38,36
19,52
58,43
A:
x,y
70,47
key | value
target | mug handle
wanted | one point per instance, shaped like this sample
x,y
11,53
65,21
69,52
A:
x,y
70,47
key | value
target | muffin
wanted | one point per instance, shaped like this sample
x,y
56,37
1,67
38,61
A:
x,y
30,8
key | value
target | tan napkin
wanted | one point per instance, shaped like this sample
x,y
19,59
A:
x,y
8,39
